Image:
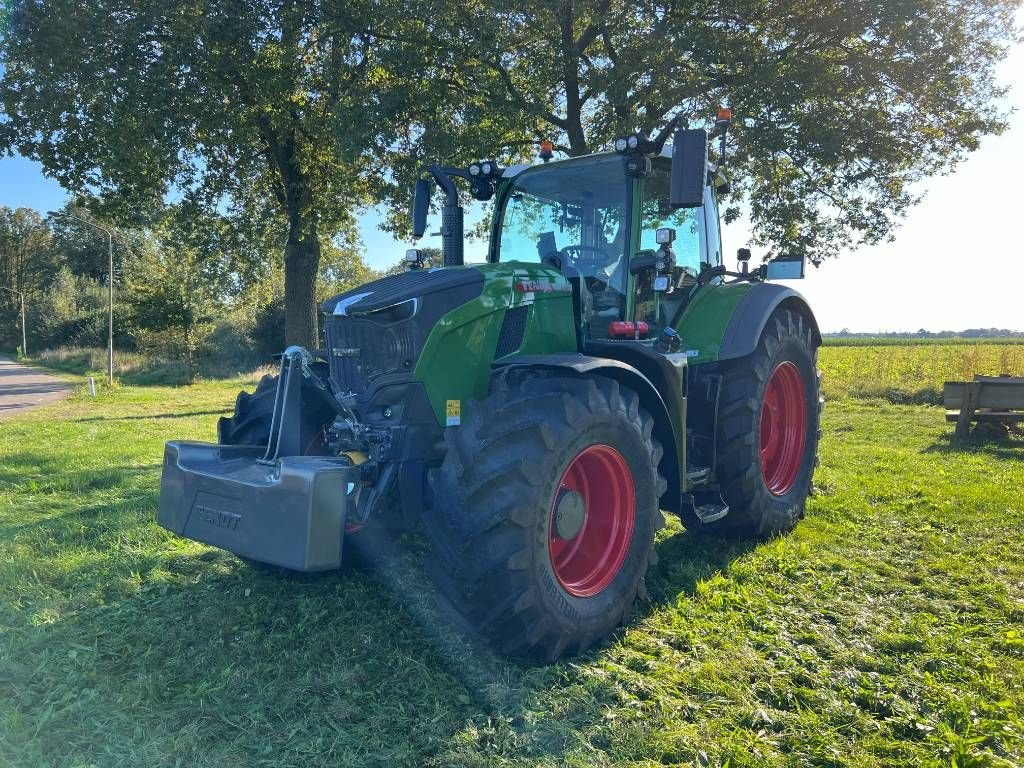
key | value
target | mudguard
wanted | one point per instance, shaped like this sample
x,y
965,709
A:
x,y
748,320
662,374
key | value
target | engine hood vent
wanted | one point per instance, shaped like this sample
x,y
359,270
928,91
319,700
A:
x,y
395,289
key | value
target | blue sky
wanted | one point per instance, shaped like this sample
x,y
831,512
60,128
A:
x,y
957,262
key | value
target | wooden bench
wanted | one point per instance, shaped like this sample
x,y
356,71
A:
x,y
986,399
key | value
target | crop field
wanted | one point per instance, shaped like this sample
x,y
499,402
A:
x,y
887,630
912,372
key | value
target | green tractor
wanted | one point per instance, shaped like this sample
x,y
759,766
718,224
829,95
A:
x,y
532,415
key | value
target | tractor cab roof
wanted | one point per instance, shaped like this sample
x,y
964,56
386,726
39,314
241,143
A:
x,y
514,170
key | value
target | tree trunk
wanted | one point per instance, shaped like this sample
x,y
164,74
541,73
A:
x,y
302,252
301,263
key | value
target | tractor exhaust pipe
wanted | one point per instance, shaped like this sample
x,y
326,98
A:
x,y
451,219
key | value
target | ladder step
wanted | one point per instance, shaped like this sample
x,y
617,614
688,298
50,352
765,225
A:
x,y
709,513
698,474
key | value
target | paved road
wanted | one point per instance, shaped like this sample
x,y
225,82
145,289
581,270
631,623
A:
x,y
22,388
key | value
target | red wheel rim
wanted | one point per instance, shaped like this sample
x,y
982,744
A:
x,y
587,562
783,429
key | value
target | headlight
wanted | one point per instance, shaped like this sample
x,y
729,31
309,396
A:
x,y
620,144
633,141
474,170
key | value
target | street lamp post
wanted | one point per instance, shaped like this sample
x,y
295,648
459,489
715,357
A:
x,y
21,295
110,287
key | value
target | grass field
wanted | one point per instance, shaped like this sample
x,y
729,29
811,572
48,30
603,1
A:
x,y
888,629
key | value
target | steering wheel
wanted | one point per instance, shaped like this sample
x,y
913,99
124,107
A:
x,y
569,251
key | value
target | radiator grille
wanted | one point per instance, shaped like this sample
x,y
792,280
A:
x,y
362,350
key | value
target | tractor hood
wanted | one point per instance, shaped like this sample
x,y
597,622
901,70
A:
x,y
380,328
462,283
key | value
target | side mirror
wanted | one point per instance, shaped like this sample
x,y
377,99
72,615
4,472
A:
x,y
420,207
689,168
785,268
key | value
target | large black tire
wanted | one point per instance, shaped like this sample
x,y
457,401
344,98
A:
x,y
250,423
492,520
764,473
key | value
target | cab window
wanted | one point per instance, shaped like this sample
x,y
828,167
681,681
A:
x,y
713,228
576,214
657,214
691,247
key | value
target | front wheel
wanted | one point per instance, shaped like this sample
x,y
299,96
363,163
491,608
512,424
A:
x,y
545,511
768,430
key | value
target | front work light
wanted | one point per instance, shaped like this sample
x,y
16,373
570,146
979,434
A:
x,y
664,236
414,258
475,169
634,143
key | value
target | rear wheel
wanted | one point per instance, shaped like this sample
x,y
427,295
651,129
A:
x,y
769,430
545,512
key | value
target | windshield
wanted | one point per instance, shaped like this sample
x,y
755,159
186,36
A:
x,y
576,212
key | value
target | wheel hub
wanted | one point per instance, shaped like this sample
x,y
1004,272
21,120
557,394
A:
x,y
591,520
569,514
783,428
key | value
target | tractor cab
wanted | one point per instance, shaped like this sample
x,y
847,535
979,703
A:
x,y
599,223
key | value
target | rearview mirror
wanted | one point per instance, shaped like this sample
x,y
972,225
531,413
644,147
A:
x,y
689,167
785,268
420,206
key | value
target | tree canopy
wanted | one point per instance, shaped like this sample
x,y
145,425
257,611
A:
x,y
840,106
260,111
275,120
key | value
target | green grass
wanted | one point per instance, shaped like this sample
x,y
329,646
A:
x,y
886,630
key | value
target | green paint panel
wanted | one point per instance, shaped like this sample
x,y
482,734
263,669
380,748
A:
x,y
703,324
456,360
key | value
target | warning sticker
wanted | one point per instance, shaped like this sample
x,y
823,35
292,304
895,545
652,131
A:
x,y
453,410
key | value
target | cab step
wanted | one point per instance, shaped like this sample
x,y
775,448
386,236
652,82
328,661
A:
x,y
707,506
710,513
698,475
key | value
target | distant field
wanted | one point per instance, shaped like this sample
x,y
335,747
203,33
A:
x,y
912,371
890,341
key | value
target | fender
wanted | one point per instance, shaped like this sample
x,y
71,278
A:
x,y
750,317
669,418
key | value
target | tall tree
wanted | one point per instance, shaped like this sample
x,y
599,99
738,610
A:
x,y
261,109
841,106
26,264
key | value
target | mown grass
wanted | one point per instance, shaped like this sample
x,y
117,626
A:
x,y
886,630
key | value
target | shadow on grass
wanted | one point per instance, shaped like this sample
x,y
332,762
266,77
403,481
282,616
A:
x,y
47,473
150,416
686,559
990,442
